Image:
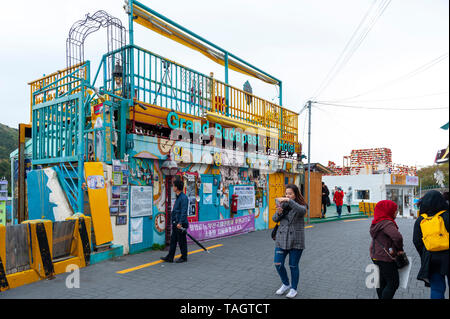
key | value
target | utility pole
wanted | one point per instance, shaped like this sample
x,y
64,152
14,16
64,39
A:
x,y
309,159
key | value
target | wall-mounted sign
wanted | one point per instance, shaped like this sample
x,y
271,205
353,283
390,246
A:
x,y
230,135
412,180
246,197
141,201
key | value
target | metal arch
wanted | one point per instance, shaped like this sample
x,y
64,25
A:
x,y
82,28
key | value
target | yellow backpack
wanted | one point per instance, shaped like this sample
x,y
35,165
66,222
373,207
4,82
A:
x,y
434,234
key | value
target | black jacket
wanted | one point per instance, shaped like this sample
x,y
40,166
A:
x,y
327,193
437,261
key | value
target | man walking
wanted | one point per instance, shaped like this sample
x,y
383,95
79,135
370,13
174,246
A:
x,y
179,220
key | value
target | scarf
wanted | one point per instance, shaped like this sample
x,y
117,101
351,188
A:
x,y
385,210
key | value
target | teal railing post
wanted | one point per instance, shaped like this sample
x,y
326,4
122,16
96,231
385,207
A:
x,y
124,106
80,151
226,84
131,38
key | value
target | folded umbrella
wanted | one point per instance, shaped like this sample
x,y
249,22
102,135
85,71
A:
x,y
184,230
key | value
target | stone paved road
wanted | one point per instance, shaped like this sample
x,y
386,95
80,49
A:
x,y
332,267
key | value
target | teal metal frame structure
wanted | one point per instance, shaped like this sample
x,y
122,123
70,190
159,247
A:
x,y
64,138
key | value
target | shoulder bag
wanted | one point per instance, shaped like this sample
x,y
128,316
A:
x,y
275,229
401,260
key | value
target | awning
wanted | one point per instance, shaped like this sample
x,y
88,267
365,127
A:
x,y
155,24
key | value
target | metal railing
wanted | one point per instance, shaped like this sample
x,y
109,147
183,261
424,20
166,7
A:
x,y
156,80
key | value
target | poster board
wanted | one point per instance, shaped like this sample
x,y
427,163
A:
x,y
246,197
98,201
141,201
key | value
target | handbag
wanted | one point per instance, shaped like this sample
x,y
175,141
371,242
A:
x,y
274,232
401,260
275,229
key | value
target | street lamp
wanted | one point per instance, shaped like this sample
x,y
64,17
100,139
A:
x,y
169,168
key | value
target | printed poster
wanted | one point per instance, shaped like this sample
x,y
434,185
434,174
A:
x,y
246,197
136,226
95,182
141,201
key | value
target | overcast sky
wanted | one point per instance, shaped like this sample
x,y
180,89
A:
x,y
297,42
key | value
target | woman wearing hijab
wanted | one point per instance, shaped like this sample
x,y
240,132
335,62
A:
x,y
290,238
387,243
434,264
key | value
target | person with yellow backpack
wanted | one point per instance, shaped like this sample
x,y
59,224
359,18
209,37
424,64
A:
x,y
431,239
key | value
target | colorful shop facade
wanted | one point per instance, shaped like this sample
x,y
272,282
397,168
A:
x,y
109,146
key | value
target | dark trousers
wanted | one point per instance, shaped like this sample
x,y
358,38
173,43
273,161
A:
x,y
324,207
179,237
339,210
389,279
349,209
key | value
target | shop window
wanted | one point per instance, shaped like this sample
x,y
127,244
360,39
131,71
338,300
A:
x,y
362,194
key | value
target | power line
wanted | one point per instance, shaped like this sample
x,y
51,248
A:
x,y
345,55
395,98
382,108
405,77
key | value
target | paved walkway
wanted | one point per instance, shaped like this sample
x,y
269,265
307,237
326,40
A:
x,y
332,266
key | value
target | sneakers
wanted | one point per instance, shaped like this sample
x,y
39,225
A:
x,y
283,289
292,293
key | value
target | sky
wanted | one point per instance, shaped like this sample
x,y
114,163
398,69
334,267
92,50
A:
x,y
298,42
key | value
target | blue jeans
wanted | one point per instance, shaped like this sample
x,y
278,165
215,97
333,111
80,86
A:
x,y
339,210
437,283
294,259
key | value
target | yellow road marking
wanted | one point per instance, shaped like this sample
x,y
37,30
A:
x,y
354,220
309,226
161,261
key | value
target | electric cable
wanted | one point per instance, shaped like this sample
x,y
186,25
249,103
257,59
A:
x,y
346,55
382,108
405,77
395,98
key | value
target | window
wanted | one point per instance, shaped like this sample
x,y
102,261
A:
x,y
362,194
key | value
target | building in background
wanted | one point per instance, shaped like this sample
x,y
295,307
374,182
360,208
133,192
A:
x,y
373,177
3,200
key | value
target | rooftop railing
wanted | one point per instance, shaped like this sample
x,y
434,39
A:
x,y
159,81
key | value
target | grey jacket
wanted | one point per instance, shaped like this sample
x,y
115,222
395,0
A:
x,y
291,232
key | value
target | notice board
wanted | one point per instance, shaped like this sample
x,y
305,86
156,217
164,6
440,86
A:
x,y
141,201
246,197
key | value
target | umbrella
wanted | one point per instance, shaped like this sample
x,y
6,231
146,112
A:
x,y
184,230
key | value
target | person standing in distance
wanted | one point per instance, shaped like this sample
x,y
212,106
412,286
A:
x,y
179,220
338,200
349,199
290,238
325,199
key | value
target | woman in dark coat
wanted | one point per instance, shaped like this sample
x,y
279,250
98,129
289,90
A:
x,y
387,242
434,264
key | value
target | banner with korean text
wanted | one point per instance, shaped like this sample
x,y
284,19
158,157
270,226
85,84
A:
x,y
221,228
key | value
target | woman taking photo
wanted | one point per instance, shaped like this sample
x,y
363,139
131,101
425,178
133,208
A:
x,y
290,238
387,242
